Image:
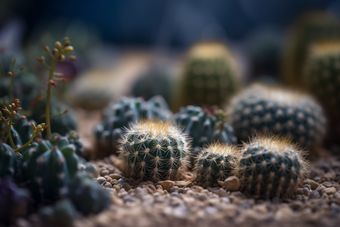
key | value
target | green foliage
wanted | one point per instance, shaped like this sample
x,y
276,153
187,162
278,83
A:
x,y
48,166
154,151
204,128
216,162
273,110
120,114
87,195
62,213
271,167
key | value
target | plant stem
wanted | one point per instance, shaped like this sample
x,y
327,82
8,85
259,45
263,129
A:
x,y
48,97
10,135
25,145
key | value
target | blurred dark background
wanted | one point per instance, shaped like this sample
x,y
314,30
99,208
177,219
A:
x,y
173,23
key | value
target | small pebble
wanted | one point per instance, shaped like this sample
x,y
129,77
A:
x,y
202,197
232,183
167,185
104,172
126,186
108,185
100,180
330,191
314,195
115,176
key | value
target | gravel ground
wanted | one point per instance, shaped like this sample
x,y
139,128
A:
x,y
182,203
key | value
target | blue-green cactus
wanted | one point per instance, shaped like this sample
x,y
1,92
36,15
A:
x,y
203,128
8,160
271,166
275,110
63,213
120,114
87,195
154,150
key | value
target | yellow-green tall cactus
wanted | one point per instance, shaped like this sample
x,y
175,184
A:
x,y
210,76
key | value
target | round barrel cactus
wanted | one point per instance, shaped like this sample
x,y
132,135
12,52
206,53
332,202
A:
x,y
154,150
308,29
123,113
321,78
216,162
87,195
204,127
210,76
48,166
8,160
271,166
275,110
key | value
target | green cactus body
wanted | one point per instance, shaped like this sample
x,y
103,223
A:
x,y
154,151
48,166
215,163
271,167
121,114
321,78
273,110
63,213
202,128
210,76
23,128
87,195
8,160
310,28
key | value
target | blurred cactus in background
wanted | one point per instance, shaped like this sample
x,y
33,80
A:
x,y
309,28
322,79
210,76
280,111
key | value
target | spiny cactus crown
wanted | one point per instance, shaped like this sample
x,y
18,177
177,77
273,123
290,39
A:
x,y
154,150
273,110
216,162
271,166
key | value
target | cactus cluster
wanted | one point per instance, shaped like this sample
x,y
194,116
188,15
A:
x,y
204,127
210,76
121,114
216,162
273,110
308,29
154,150
48,166
271,166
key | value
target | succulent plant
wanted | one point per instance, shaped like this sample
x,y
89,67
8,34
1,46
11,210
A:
x,y
321,78
120,114
155,81
154,150
8,160
48,166
13,201
62,213
210,76
271,166
87,195
280,111
309,28
204,127
216,162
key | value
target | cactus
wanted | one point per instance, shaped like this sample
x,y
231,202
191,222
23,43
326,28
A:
x,y
87,195
203,128
321,77
63,213
8,160
271,166
210,76
156,81
123,113
280,111
154,150
13,201
308,29
48,166
216,162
